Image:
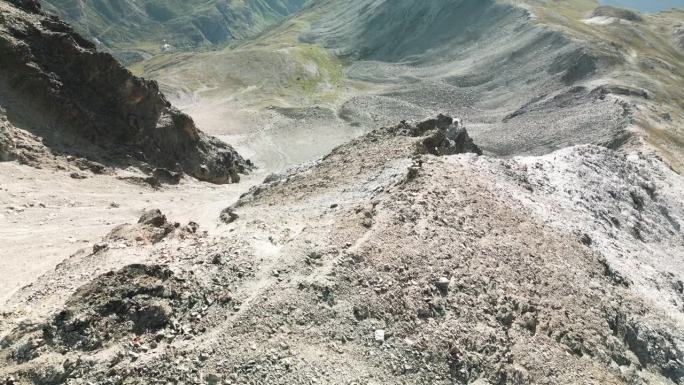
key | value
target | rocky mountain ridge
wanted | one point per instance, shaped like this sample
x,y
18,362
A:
x,y
380,263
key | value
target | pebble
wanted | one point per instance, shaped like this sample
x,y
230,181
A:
x,y
443,284
380,335
99,247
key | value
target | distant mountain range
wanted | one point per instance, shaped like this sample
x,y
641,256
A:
x,y
134,29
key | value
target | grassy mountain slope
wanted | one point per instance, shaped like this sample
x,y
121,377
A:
x,y
651,64
128,26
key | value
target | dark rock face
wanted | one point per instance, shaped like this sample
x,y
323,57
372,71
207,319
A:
x,y
28,5
137,299
58,73
679,36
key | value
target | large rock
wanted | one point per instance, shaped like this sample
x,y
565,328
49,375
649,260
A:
x,y
443,135
52,71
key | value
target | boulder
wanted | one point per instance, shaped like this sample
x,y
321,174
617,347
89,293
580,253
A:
x,y
153,218
443,135
229,215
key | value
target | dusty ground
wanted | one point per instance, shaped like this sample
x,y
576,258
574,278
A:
x,y
47,216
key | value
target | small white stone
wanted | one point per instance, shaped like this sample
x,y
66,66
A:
x,y
380,335
443,283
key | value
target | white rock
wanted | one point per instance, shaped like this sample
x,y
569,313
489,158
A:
x,y
380,335
443,283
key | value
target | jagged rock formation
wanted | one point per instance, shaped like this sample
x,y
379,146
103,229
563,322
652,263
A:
x,y
445,136
137,299
79,99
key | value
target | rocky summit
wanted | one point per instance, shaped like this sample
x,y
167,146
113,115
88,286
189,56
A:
x,y
444,192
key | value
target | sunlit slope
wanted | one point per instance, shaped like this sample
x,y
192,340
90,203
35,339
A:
x,y
651,64
532,75
275,96
529,77
484,60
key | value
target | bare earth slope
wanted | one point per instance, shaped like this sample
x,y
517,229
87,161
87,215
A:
x,y
379,264
84,145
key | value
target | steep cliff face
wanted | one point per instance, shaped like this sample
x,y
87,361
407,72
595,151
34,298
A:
x,y
57,86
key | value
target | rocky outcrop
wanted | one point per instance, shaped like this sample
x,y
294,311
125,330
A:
x,y
679,37
618,13
443,136
152,228
54,72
